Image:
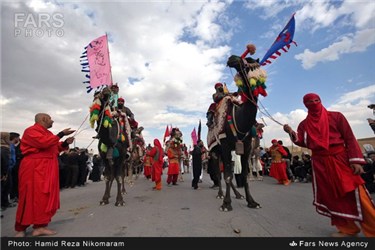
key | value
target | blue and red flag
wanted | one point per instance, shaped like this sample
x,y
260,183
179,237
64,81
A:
x,y
282,42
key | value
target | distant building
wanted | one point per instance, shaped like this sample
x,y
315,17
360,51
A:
x,y
364,141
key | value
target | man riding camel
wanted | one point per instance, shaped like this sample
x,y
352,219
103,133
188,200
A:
x,y
126,111
220,93
217,97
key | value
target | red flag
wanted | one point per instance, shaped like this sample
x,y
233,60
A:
x,y
166,133
194,136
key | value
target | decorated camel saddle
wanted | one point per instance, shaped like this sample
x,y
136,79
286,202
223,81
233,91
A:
x,y
111,125
217,131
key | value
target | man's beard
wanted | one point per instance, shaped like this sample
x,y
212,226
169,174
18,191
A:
x,y
120,106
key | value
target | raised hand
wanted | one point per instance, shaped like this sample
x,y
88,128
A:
x,y
288,129
68,131
69,140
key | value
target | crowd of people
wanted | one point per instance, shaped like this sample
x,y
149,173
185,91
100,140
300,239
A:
x,y
76,166
297,167
10,162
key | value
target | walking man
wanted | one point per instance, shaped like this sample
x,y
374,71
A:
x,y
197,163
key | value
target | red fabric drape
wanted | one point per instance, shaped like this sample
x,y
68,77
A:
x,y
39,192
317,126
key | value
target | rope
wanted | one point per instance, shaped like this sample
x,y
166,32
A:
x,y
235,123
90,143
83,130
80,125
268,114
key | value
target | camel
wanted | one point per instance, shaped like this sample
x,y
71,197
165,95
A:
x,y
114,144
234,127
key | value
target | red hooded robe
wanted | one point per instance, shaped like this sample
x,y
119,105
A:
x,y
334,147
157,155
39,191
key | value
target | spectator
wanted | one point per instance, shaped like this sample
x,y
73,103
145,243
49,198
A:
x,y
371,122
63,166
304,170
287,158
256,165
14,166
72,168
369,172
237,168
266,159
5,159
83,157
296,162
96,169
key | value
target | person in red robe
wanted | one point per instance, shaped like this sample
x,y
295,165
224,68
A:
x,y
174,156
39,192
157,155
278,165
147,163
339,190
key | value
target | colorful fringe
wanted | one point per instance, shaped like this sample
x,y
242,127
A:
x,y
95,111
257,78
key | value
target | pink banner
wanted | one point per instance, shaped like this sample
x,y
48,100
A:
x,y
194,137
98,58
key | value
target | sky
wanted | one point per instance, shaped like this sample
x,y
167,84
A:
x,y
166,57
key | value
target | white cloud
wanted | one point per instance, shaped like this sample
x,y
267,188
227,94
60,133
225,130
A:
x,y
205,28
150,43
319,13
361,13
358,42
358,95
315,15
270,7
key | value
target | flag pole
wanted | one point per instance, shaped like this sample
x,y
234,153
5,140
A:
x,y
109,59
